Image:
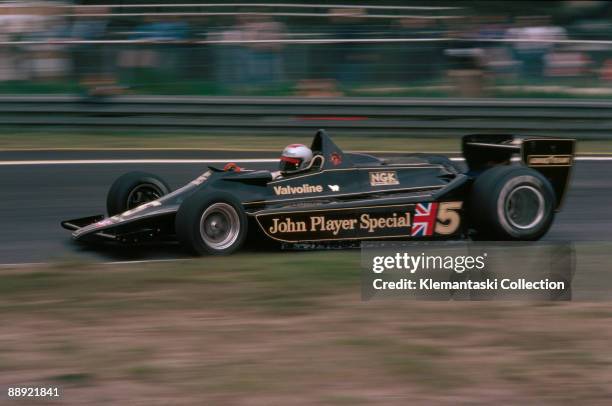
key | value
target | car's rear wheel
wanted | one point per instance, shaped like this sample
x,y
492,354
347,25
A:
x,y
511,203
134,189
211,223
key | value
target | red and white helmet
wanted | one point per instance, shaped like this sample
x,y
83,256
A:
x,y
294,158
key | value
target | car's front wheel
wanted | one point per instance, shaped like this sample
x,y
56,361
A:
x,y
134,189
511,203
211,223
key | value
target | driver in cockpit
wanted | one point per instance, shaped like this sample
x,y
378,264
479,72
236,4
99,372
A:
x,y
295,157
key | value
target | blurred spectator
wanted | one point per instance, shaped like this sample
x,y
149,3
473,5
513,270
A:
x,y
497,56
155,29
245,61
264,60
160,53
13,22
162,29
560,63
93,64
352,59
466,60
606,71
231,58
533,38
48,57
418,62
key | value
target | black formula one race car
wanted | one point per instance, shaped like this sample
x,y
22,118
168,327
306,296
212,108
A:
x,y
511,189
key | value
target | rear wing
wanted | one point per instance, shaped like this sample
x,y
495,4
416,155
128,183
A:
x,y
552,157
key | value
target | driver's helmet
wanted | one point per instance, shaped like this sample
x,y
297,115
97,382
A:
x,y
294,158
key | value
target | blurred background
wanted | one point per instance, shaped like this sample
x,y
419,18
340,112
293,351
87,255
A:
x,y
417,68
391,48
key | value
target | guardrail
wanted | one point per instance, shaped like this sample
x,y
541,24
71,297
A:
x,y
283,115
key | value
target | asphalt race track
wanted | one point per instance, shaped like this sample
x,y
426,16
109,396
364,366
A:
x,y
39,191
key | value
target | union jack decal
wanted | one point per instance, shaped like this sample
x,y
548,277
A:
x,y
424,219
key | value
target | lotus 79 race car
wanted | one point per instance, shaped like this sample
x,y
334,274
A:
x,y
510,189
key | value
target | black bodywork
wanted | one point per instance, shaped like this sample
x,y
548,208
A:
x,y
349,196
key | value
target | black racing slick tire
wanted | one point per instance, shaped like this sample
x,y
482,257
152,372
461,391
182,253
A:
x,y
211,223
133,189
511,203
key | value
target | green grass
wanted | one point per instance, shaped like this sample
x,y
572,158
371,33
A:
x,y
74,378
42,87
18,139
412,360
143,139
154,82
282,283
269,328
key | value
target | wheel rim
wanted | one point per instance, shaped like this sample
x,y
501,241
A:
x,y
219,226
525,207
142,194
